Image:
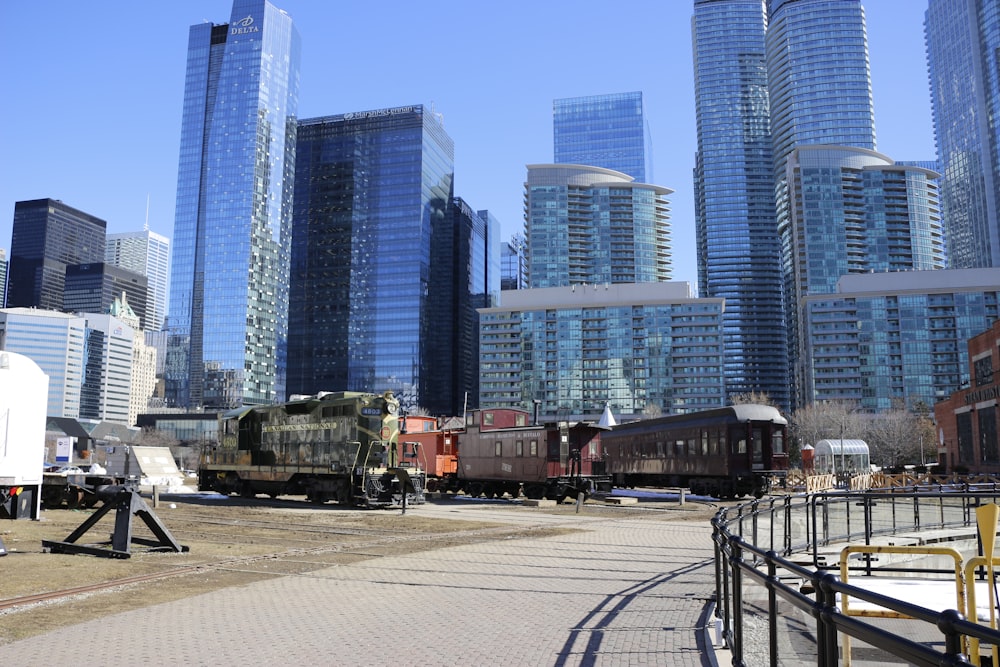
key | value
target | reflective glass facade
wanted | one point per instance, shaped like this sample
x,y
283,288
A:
x,y
578,349
852,211
47,237
3,275
229,283
512,265
963,37
607,131
884,338
386,265
107,380
148,254
93,288
55,341
819,80
738,249
594,225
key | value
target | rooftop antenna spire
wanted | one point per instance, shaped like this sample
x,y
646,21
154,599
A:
x,y
145,227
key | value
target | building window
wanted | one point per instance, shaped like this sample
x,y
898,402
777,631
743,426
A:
x,y
983,368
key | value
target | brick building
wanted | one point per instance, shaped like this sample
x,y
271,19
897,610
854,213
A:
x,y
967,422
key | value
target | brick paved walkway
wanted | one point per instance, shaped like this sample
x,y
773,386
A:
x,y
618,592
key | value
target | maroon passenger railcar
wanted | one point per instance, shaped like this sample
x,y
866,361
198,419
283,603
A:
x,y
501,451
726,453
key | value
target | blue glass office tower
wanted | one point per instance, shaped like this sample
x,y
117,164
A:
x,y
963,38
228,292
738,249
607,131
47,237
385,263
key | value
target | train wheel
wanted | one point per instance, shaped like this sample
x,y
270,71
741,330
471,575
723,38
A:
x,y
475,489
432,485
514,490
534,491
74,498
246,491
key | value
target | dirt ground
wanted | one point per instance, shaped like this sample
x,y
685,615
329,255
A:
x,y
228,543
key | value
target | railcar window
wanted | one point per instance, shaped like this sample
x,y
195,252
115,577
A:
x,y
679,447
777,443
487,419
497,448
328,412
704,443
659,449
519,448
447,445
533,448
522,420
692,446
758,445
713,442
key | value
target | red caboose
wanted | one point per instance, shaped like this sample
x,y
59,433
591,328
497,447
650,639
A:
x,y
427,446
500,452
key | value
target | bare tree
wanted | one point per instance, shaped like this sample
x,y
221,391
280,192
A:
x,y
754,397
651,411
894,436
827,420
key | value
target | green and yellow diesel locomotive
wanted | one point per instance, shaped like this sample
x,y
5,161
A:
x,y
340,446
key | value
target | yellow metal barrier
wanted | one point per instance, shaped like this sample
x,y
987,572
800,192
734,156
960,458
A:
x,y
986,522
845,554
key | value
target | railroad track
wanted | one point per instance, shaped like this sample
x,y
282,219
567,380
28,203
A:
x,y
294,539
377,538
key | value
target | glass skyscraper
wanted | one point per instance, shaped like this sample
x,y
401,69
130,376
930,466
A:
x,y
607,131
819,79
593,225
738,249
387,267
47,237
851,211
3,276
147,254
963,37
228,316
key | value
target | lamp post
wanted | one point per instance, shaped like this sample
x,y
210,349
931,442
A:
x,y
843,459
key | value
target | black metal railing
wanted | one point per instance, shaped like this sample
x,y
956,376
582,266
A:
x,y
774,552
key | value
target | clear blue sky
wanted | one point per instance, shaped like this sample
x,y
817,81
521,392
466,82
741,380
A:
x,y
94,90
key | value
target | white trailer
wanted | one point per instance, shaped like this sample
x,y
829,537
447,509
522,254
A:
x,y
24,391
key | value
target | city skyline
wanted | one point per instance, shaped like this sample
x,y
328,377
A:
x,y
112,84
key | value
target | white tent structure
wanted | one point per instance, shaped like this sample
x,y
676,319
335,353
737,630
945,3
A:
x,y
840,455
607,419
